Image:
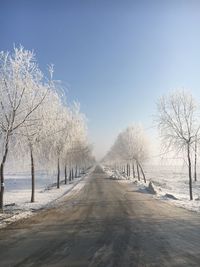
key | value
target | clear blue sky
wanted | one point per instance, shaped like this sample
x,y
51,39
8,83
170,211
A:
x,y
117,57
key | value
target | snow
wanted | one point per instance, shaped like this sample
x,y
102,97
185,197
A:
x,y
114,174
18,193
172,185
166,183
151,188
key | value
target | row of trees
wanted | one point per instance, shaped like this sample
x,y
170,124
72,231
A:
x,y
130,150
178,122
36,121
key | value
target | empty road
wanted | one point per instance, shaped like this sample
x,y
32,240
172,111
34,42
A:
x,y
105,224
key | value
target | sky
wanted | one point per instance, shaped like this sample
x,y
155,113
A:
x,y
116,57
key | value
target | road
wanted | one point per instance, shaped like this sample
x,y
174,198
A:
x,y
105,224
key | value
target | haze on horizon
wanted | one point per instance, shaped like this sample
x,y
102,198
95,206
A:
x,y
115,57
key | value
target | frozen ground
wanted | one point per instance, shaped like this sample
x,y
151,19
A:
x,y
18,193
170,184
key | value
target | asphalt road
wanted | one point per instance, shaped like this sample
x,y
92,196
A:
x,y
105,224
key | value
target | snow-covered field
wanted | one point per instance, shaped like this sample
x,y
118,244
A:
x,y
18,194
174,180
170,184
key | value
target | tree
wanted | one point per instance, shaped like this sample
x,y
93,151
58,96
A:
x,y
178,125
65,136
195,158
21,93
77,150
131,146
135,143
35,119
31,135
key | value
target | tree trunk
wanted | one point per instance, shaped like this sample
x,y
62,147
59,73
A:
x,y
133,170
65,174
72,174
76,172
195,161
142,172
138,172
58,174
2,175
32,176
2,185
189,171
127,169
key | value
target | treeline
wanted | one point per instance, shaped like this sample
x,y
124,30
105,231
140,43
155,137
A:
x,y
178,122
37,122
129,152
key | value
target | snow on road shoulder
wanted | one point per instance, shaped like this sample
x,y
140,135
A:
x,y
171,197
18,205
171,183
114,174
165,184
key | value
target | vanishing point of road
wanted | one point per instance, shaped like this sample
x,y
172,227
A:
x,y
107,224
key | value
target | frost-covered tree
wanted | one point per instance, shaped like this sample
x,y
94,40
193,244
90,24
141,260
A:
x,y
66,133
36,121
32,133
136,146
177,120
55,120
21,93
77,141
131,146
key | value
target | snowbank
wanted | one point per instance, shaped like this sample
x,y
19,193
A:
x,y
168,183
151,188
114,174
172,183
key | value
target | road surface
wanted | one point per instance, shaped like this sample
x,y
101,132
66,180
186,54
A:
x,y
105,224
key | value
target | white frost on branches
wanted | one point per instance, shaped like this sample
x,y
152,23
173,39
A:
x,y
35,120
130,147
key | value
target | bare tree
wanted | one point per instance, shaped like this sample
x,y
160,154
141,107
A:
x,y
31,134
20,95
178,125
131,146
136,145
